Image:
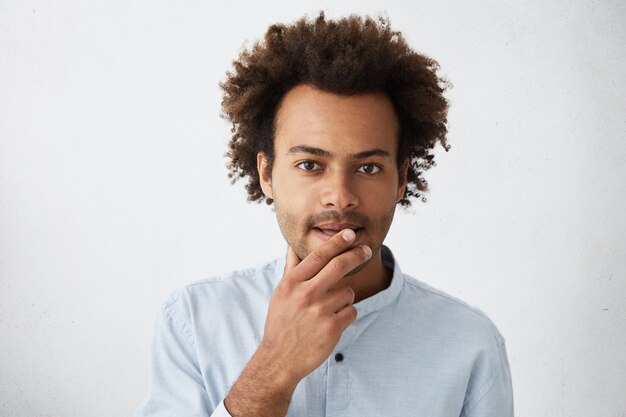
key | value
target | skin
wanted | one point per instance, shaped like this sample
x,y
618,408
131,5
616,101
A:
x,y
311,189
330,180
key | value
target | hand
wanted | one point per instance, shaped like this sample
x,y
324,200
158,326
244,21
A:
x,y
306,314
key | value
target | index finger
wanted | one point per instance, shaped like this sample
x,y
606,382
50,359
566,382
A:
x,y
320,257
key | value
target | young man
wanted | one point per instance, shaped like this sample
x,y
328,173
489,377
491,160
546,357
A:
x,y
333,124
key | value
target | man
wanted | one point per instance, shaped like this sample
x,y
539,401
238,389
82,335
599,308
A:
x,y
333,124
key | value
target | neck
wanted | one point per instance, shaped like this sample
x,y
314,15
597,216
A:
x,y
372,279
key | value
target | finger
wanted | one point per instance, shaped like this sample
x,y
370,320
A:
x,y
346,316
338,298
316,260
292,259
338,267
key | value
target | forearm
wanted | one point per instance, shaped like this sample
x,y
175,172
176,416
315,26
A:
x,y
262,389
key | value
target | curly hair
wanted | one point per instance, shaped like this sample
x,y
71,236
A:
x,y
352,55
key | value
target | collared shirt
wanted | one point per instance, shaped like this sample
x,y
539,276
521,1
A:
x,y
412,351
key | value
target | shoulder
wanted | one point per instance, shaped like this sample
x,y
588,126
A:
x,y
451,313
466,334
219,291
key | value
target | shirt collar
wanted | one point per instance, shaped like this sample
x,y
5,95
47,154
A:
x,y
387,296
377,301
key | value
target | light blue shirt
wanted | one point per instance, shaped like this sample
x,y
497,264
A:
x,y
412,351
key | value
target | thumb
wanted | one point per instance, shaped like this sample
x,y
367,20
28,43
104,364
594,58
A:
x,y
292,259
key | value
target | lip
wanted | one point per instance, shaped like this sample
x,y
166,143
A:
x,y
338,226
325,236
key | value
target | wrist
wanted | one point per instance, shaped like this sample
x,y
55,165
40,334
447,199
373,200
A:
x,y
263,389
268,367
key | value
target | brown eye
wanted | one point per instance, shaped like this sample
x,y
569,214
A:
x,y
308,165
369,168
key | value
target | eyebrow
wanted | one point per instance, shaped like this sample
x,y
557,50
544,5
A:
x,y
323,153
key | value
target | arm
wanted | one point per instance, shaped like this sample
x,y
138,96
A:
x,y
176,385
494,398
304,323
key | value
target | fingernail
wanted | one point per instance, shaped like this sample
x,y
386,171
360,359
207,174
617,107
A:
x,y
348,235
367,250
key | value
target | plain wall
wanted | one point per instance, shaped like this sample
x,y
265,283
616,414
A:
x,y
114,190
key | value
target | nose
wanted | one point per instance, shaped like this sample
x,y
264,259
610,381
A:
x,y
338,193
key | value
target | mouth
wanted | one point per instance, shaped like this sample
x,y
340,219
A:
x,y
326,231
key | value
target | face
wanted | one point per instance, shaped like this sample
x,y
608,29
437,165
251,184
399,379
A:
x,y
334,167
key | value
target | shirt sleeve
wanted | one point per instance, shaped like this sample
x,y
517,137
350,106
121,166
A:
x,y
493,398
176,385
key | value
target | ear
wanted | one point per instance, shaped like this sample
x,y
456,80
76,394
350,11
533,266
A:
x,y
264,178
402,180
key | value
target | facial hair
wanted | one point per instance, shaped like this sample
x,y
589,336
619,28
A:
x,y
295,229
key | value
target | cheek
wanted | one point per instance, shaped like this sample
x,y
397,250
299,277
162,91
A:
x,y
296,192
292,208
378,196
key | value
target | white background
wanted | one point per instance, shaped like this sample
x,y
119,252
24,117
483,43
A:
x,y
113,188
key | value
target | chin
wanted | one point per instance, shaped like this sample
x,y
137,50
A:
x,y
313,242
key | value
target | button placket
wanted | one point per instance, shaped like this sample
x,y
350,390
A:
x,y
338,382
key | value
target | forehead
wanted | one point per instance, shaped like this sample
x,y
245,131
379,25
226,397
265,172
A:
x,y
341,124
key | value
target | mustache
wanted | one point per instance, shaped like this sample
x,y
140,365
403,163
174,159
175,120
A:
x,y
335,217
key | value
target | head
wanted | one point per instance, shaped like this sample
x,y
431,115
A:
x,y
334,122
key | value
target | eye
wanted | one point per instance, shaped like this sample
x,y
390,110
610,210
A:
x,y
369,169
308,165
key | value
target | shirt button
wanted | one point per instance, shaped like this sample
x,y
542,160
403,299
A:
x,y
339,357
